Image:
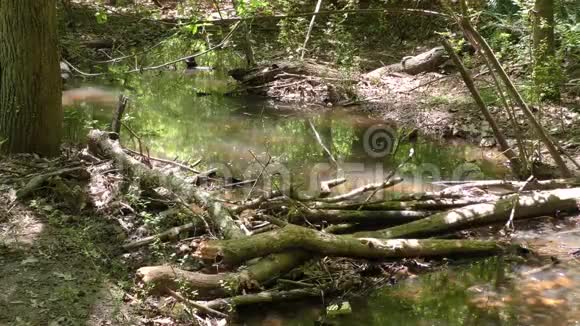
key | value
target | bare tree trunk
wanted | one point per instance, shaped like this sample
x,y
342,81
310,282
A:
x,y
545,69
316,10
534,123
503,145
30,86
246,41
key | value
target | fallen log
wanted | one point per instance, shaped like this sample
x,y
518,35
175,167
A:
x,y
388,217
533,204
292,237
412,65
100,144
262,75
171,234
511,186
432,205
210,286
166,277
262,297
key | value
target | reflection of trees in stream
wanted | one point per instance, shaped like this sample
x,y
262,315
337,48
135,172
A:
x,y
222,130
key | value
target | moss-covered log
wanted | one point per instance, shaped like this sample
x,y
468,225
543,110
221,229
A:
x,y
533,204
263,297
292,237
101,144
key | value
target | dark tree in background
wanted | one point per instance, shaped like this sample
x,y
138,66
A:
x,y
546,69
30,86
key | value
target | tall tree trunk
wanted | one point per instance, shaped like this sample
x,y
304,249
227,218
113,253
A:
x,y
246,44
30,86
545,69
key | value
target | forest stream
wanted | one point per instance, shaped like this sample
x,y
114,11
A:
x,y
231,133
279,162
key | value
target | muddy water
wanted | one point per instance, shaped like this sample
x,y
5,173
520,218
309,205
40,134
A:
x,y
175,118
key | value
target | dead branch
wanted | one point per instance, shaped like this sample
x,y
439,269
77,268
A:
x,y
116,122
262,297
167,235
359,191
533,204
393,217
37,182
210,286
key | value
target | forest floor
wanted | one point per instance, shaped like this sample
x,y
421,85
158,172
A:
x,y
440,105
59,261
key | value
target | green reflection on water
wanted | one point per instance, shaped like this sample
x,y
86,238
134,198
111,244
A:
x,y
441,298
175,118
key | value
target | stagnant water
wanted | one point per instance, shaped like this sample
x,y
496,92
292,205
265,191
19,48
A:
x,y
174,118
229,133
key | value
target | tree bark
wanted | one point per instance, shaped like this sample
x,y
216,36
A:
x,y
30,85
222,219
545,69
533,204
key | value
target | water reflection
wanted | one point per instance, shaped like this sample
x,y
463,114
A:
x,y
174,121
488,292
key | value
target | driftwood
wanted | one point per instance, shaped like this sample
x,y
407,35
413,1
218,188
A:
x,y
292,237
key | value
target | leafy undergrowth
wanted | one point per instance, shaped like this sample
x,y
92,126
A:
x,y
61,248
58,261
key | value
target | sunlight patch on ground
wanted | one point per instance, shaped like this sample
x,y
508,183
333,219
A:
x,y
20,229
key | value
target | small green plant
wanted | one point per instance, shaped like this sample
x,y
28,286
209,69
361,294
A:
x,y
101,17
439,100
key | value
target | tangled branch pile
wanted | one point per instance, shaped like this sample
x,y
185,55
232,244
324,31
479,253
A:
x,y
243,267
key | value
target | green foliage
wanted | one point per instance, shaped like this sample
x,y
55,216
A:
x,y
508,25
101,17
252,7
